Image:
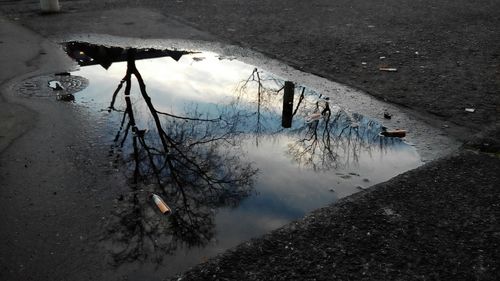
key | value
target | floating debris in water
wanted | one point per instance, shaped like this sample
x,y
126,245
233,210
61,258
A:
x,y
162,206
216,148
55,85
313,117
398,133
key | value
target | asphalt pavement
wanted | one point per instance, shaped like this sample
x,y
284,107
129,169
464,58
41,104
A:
x,y
438,222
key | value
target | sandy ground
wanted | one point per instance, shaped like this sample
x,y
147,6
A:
x,y
447,57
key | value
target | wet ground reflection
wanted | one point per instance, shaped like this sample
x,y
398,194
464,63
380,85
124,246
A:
x,y
233,150
192,161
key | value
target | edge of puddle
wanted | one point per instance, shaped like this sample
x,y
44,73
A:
x,y
430,142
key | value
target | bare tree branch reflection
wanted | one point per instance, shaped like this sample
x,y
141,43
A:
x,y
192,161
335,139
267,90
324,139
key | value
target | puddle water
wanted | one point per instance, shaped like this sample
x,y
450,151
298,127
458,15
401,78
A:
x,y
235,151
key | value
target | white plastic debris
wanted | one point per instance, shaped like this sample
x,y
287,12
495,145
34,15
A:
x,y
313,117
55,85
388,69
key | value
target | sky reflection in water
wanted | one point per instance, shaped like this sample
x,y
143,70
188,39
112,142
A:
x,y
328,153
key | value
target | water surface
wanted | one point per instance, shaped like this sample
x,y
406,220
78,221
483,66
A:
x,y
234,150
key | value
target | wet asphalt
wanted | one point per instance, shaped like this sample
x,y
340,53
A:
x,y
438,222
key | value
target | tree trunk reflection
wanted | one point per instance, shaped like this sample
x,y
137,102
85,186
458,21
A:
x,y
196,166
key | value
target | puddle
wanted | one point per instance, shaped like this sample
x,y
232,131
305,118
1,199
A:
x,y
234,150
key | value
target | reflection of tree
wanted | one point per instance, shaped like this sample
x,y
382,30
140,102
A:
x,y
335,138
266,93
193,161
195,165
325,138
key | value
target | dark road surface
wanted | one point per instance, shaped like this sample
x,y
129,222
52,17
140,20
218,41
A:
x,y
438,222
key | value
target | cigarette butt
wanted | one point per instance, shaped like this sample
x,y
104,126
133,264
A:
x,y
398,133
164,208
388,69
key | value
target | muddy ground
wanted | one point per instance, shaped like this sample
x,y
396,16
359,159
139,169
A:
x,y
437,222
